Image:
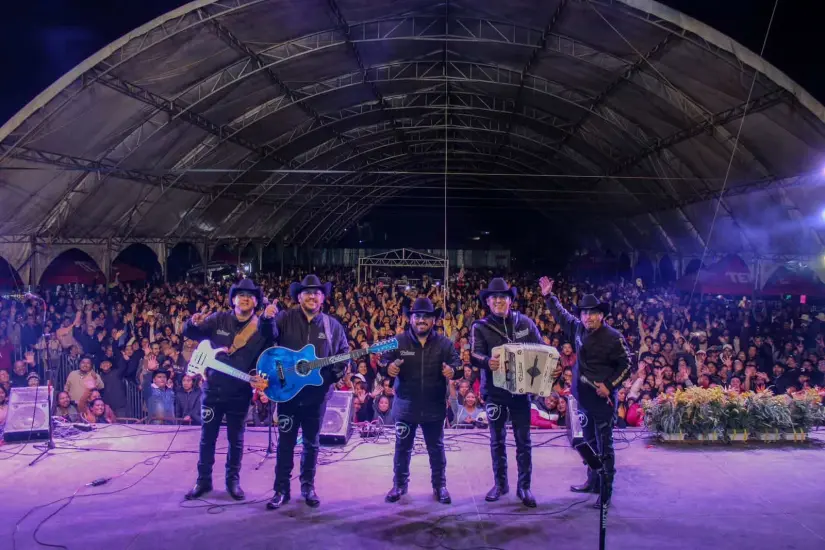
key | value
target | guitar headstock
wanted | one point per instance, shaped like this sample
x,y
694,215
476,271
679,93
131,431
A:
x,y
384,346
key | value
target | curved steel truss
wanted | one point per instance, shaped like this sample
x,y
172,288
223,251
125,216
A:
x,y
214,122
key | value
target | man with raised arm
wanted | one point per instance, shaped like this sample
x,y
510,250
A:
x,y
602,364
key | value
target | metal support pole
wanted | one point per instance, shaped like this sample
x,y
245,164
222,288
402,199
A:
x,y
205,260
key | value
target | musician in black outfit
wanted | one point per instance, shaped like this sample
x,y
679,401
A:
x,y
295,328
602,364
502,326
224,396
422,366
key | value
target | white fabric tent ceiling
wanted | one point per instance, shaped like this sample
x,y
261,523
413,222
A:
x,y
174,131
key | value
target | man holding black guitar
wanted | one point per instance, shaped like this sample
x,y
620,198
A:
x,y
295,328
242,336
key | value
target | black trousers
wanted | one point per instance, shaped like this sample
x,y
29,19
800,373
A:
x,y
404,442
307,418
598,432
518,412
213,412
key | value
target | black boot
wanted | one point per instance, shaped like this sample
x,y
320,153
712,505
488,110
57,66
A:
x,y
278,500
202,486
310,497
497,492
608,493
396,493
526,496
233,487
589,486
442,495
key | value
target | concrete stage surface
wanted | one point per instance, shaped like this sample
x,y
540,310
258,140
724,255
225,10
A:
x,y
755,497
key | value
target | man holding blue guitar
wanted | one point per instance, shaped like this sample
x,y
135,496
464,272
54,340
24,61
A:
x,y
302,404
422,367
241,337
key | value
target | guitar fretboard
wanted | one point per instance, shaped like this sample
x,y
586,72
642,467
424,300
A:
x,y
326,361
226,369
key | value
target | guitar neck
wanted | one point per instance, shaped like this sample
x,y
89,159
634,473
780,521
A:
x,y
326,361
214,364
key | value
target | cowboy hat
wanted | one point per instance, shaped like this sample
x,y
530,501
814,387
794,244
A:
x,y
498,286
310,281
589,301
245,285
425,307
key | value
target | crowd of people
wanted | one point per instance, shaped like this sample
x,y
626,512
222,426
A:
x,y
108,342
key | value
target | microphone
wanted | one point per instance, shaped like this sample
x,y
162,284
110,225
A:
x,y
587,381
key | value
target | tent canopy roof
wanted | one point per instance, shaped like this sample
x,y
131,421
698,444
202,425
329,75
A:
x,y
184,128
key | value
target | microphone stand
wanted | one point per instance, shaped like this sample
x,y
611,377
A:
x,y
269,449
48,373
596,463
603,504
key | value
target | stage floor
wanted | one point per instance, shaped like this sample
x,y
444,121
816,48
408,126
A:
x,y
694,497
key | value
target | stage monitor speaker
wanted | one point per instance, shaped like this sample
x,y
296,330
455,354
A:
x,y
337,424
28,414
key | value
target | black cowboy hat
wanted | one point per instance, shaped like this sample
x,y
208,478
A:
x,y
498,286
310,281
589,301
245,285
424,306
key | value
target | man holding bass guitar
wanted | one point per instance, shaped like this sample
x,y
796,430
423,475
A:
x,y
243,336
295,328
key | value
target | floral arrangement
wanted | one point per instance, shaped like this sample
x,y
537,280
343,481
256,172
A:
x,y
697,412
806,410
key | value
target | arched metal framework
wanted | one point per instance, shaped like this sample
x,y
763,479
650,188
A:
x,y
218,120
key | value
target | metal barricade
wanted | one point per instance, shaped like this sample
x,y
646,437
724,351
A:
x,y
57,361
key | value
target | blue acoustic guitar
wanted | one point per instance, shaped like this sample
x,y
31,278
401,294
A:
x,y
283,372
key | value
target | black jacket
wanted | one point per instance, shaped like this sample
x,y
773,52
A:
x,y
601,356
188,404
420,388
484,336
220,329
114,388
294,331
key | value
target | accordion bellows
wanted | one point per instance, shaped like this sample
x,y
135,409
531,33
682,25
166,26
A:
x,y
526,368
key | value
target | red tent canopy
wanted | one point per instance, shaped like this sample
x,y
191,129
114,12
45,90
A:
x,y
729,276
784,282
127,273
72,272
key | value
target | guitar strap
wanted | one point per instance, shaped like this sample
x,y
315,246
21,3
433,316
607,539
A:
x,y
243,337
328,334
494,328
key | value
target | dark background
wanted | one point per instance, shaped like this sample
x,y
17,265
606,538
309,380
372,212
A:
x,y
44,39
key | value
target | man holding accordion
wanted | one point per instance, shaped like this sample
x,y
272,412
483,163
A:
x,y
502,326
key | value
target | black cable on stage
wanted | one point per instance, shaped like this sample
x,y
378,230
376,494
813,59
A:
x,y
327,456
148,462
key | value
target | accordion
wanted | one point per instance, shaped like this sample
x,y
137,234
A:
x,y
526,368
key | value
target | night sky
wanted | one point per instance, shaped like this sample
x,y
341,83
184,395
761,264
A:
x,y
42,40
